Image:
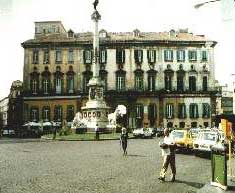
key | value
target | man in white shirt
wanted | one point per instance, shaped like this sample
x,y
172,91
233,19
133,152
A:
x,y
168,153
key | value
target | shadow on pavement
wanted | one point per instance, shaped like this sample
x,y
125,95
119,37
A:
x,y
135,155
192,184
18,140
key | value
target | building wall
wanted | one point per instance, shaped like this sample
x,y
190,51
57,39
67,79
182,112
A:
x,y
3,110
159,97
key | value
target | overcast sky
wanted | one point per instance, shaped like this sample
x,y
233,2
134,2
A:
x,y
17,17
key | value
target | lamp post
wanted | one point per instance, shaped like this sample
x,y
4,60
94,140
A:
x,y
197,6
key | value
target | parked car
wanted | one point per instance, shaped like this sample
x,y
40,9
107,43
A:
x,y
143,132
183,139
148,132
138,132
159,132
194,132
8,132
205,140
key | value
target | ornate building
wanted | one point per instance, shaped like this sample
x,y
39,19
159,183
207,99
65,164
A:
x,y
15,106
164,79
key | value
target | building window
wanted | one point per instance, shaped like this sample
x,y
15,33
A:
x,y
34,114
58,113
70,113
34,86
204,83
168,55
206,124
192,83
169,111
138,56
168,82
35,56
120,56
192,55
206,110
46,56
151,55
70,56
182,125
193,111
58,85
204,56
152,114
139,115
70,84
58,56
46,114
151,82
87,56
46,85
194,125
86,77
180,55
120,81
139,81
103,56
182,114
180,83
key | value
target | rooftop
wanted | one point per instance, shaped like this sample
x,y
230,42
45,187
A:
x,y
136,35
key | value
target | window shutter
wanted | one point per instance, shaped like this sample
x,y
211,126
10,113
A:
x,y
142,111
37,114
179,111
178,55
197,115
105,56
124,56
190,111
141,56
172,56
136,56
49,114
31,85
154,53
117,56
173,113
166,111
84,56
55,113
165,55
148,55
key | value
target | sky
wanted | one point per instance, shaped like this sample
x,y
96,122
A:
x,y
17,17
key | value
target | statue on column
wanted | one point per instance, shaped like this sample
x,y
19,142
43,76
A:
x,y
95,4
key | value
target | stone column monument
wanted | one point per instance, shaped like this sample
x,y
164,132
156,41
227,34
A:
x,y
96,111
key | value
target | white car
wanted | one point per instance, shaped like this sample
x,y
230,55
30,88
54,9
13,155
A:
x,y
138,132
205,140
143,132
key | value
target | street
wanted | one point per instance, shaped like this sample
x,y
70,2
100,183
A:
x,y
35,166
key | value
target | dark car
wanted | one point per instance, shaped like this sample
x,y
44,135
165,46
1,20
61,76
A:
x,y
159,132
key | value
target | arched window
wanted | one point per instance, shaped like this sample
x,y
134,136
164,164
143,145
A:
x,y
204,83
151,80
58,114
192,83
139,80
70,80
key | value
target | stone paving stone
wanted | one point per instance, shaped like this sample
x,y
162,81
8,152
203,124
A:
x,y
36,166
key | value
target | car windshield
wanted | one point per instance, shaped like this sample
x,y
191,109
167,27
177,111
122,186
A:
x,y
208,136
177,134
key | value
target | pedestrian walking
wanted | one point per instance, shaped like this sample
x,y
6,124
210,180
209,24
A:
x,y
168,153
123,140
97,135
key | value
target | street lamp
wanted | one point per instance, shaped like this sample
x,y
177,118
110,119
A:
x,y
197,6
